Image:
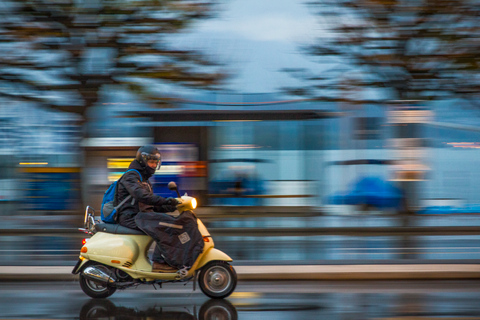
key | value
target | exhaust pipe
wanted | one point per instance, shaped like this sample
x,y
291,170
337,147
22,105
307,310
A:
x,y
98,275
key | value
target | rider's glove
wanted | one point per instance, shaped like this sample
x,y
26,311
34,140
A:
x,y
171,202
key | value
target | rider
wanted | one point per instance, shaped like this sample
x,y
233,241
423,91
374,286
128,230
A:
x,y
147,161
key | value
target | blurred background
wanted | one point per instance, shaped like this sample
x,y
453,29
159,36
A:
x,y
291,122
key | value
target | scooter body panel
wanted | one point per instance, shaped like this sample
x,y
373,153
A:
x,y
203,230
118,250
212,254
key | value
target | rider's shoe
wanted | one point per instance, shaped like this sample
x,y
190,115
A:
x,y
163,267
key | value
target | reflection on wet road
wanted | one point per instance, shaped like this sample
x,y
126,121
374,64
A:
x,y
422,300
106,309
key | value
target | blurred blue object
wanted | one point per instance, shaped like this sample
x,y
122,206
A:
x,y
50,190
237,182
238,189
450,209
160,185
370,191
440,210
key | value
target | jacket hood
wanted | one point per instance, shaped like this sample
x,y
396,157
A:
x,y
143,170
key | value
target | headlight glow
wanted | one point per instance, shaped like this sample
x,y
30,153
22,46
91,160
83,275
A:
x,y
194,203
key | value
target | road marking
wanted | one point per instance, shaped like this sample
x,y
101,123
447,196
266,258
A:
x,y
413,248
406,252
245,295
429,318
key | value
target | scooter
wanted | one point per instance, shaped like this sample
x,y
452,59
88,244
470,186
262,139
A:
x,y
116,257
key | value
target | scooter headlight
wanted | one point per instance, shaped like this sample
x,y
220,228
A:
x,y
187,203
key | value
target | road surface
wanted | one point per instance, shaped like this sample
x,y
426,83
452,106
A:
x,y
251,300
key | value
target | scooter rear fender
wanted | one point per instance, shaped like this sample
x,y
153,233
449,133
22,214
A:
x,y
80,265
213,255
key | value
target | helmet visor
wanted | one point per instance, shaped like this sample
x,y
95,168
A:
x,y
152,157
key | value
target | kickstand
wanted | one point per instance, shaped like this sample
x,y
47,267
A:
x,y
153,284
195,281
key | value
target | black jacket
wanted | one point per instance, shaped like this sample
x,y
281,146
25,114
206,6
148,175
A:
x,y
141,191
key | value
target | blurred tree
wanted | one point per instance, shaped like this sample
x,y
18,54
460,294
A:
x,y
403,49
61,52
393,50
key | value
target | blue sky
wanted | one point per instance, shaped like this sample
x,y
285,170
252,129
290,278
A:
x,y
256,39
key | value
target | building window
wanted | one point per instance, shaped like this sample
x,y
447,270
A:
x,y
367,128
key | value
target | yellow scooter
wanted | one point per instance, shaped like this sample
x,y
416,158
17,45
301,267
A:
x,y
116,257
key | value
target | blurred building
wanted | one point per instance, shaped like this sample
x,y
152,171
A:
x,y
275,161
223,162
40,158
240,149
427,151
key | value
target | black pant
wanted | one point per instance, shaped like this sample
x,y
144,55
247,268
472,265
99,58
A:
x,y
129,222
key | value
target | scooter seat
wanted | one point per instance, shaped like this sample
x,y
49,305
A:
x,y
117,229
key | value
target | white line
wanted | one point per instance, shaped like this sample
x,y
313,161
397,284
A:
x,y
416,248
38,250
397,253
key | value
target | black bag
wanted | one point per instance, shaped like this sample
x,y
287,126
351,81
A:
x,y
177,238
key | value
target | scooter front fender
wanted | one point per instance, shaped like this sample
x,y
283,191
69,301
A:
x,y
213,255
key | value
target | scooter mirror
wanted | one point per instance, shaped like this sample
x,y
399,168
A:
x,y
172,186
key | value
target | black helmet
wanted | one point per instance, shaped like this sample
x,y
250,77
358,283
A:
x,y
146,153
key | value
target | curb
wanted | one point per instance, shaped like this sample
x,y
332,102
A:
x,y
360,272
285,272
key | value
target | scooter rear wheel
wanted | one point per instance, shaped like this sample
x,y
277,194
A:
x,y
217,279
96,289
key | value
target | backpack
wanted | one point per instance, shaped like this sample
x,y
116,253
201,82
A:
x,y
108,212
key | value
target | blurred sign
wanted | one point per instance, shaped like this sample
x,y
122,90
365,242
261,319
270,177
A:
x,y
170,169
367,128
195,169
178,159
50,188
115,142
409,171
119,163
178,152
405,114
409,147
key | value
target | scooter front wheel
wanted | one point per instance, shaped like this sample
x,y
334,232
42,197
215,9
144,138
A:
x,y
96,289
217,279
